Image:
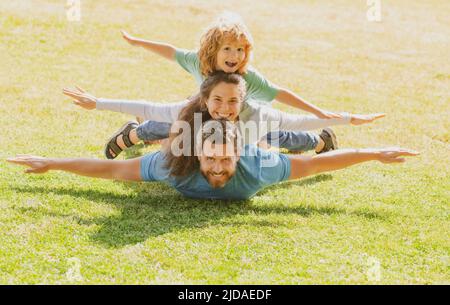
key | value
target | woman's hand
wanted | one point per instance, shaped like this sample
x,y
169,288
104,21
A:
x,y
81,98
359,119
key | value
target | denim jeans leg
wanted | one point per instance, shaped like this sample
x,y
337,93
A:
x,y
293,140
151,131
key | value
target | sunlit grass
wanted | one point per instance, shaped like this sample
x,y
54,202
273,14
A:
x,y
326,229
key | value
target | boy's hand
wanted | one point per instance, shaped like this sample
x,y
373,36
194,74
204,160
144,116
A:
x,y
323,114
81,98
130,39
359,119
395,154
37,165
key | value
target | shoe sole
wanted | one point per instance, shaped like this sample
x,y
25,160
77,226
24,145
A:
x,y
118,132
332,136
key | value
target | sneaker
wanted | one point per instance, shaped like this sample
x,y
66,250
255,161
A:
x,y
329,138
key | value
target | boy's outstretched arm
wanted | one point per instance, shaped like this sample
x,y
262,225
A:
x,y
163,49
302,166
289,98
127,170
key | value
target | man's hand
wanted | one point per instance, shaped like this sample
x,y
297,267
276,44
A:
x,y
81,98
37,165
395,154
130,39
359,119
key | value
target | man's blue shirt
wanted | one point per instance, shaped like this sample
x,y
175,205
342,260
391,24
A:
x,y
255,170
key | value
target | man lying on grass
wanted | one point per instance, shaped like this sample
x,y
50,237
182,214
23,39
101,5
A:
x,y
215,167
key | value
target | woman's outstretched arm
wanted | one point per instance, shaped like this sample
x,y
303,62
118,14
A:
x,y
296,122
160,112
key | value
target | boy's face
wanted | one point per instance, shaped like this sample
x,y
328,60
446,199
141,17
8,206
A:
x,y
224,102
218,163
231,55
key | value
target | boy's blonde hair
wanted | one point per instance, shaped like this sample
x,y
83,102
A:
x,y
227,26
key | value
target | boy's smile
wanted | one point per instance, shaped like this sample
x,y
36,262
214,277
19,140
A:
x,y
231,55
231,64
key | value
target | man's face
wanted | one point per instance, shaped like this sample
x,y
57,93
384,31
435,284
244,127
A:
x,y
224,102
218,163
231,55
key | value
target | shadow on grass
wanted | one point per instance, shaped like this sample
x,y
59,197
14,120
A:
x,y
137,150
156,209
302,182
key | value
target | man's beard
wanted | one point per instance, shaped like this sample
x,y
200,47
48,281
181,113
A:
x,y
216,184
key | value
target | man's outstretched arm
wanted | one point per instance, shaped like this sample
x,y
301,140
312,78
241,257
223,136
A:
x,y
303,166
127,170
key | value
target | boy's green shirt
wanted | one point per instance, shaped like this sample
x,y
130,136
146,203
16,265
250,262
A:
x,y
259,89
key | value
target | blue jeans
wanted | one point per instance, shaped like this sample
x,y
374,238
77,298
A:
x,y
292,140
151,131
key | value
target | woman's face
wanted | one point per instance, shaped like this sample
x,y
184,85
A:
x,y
231,55
224,102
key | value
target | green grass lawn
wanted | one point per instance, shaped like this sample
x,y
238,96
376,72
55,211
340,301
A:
x,y
368,224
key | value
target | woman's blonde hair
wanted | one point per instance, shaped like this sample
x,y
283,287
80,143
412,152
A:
x,y
227,26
